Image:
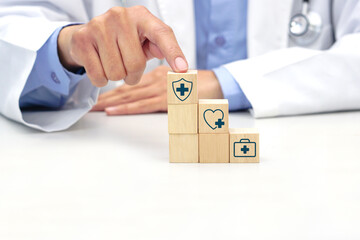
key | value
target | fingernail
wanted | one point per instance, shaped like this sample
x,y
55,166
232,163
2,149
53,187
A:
x,y
111,109
180,64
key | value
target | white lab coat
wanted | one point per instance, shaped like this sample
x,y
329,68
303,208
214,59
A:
x,y
278,79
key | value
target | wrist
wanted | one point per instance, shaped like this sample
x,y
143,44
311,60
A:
x,y
209,86
64,48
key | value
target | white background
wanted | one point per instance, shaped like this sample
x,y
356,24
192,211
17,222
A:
x,y
109,178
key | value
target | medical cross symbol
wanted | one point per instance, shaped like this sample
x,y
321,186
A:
x,y
219,123
182,89
245,149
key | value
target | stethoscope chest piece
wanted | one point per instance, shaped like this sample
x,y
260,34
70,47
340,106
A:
x,y
305,27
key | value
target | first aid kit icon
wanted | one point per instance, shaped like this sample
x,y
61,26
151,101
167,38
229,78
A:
x,y
244,148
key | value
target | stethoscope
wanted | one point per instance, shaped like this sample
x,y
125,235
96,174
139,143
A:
x,y
305,27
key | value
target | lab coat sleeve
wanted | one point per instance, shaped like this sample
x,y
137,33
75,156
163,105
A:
x,y
24,29
302,81
231,90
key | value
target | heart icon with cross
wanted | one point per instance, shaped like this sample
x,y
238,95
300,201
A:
x,y
214,118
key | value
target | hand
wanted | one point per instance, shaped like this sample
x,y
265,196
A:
x,y
150,95
117,44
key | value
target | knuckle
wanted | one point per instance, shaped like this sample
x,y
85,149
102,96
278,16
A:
x,y
91,73
141,105
126,109
173,50
118,16
101,83
132,81
96,24
116,11
136,65
98,83
126,96
163,29
96,78
133,78
80,39
119,90
116,75
140,8
158,72
158,75
112,11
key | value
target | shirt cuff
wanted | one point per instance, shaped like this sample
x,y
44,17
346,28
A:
x,y
49,83
49,71
67,79
231,90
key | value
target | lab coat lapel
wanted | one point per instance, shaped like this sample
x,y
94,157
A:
x,y
180,16
267,25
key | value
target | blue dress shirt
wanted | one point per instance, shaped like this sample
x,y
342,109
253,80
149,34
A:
x,y
220,39
49,84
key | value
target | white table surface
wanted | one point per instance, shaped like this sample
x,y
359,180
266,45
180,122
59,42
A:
x,y
109,178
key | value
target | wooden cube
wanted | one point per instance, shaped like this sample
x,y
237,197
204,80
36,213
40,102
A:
x,y
244,145
213,116
182,88
214,148
183,119
183,148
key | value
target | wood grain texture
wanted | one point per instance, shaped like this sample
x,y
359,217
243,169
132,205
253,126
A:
x,y
214,148
213,116
244,145
183,148
190,92
183,119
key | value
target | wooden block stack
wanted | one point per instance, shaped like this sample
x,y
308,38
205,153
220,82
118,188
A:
x,y
199,129
214,130
182,98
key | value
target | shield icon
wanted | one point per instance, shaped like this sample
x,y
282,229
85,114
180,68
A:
x,y
182,89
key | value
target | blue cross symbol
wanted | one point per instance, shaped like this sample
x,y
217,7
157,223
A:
x,y
219,123
182,89
245,149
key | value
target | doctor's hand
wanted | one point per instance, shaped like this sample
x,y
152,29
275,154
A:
x,y
150,95
117,44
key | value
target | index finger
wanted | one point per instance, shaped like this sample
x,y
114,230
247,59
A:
x,y
164,38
